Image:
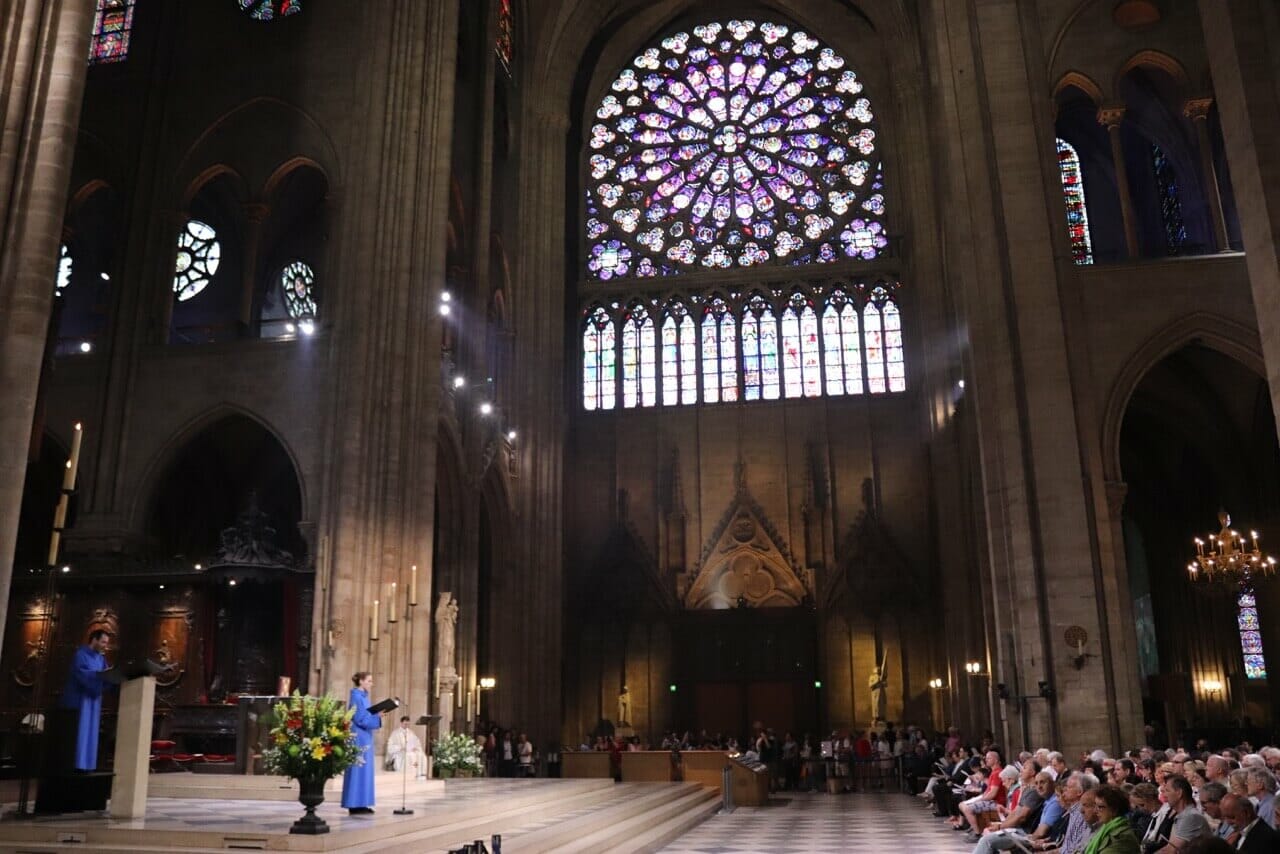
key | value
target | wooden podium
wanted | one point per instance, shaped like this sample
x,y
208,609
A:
x,y
133,744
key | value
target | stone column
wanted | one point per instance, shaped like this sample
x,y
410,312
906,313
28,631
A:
x,y
45,53
1197,109
254,215
1239,40
1110,118
383,396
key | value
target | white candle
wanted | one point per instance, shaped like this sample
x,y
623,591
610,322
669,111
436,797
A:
x,y
391,615
413,584
73,463
373,623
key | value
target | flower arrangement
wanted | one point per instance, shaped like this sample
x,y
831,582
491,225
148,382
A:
x,y
455,752
311,739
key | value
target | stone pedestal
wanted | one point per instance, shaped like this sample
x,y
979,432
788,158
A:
x,y
447,685
133,747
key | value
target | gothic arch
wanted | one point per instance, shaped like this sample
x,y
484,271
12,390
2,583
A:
x,y
1080,81
150,476
210,174
1214,331
251,127
1153,59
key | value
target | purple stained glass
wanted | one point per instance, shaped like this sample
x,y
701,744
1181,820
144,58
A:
x,y
670,362
751,376
1255,667
792,380
874,347
733,139
267,10
710,358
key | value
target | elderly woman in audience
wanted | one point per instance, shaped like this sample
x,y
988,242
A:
x,y
1238,782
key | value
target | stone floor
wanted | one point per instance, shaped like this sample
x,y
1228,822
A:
x,y
815,822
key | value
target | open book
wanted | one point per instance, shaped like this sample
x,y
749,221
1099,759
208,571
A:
x,y
131,669
385,706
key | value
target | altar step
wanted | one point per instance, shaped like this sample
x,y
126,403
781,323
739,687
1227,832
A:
x,y
533,815
248,787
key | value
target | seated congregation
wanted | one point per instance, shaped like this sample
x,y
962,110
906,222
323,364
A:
x,y
1147,801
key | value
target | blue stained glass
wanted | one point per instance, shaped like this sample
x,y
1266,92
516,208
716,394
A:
x,y
1255,663
1175,231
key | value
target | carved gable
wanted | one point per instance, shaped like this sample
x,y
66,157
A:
x,y
745,562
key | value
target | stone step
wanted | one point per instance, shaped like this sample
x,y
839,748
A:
x,y
600,830
652,829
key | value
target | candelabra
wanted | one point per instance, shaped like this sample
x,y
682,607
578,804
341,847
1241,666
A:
x,y
1229,557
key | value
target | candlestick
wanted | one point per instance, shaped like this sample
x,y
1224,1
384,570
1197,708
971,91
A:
x,y
391,618
413,584
330,638
73,463
373,623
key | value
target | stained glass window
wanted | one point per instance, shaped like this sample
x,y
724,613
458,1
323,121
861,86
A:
x,y
639,359
197,260
732,145
112,25
873,343
842,351
679,357
598,361
64,269
719,353
1175,231
1077,212
298,283
1255,664
824,342
506,38
266,10
800,355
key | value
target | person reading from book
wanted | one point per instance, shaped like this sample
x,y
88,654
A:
x,y
83,694
357,782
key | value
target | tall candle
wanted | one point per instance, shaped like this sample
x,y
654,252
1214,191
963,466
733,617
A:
x,y
53,548
391,615
373,627
73,464
413,584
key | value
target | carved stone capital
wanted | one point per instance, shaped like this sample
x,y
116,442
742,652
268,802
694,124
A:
x,y
1110,115
1197,109
256,212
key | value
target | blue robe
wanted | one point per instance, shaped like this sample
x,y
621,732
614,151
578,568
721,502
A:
x,y
83,692
357,782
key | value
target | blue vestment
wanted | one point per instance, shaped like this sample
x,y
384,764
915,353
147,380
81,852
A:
x,y
83,692
357,782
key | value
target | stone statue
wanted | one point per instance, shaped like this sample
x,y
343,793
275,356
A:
x,y
446,626
624,707
878,684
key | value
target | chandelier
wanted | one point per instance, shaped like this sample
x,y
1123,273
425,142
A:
x,y
1229,557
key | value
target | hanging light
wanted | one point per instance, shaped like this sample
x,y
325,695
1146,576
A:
x,y
1229,557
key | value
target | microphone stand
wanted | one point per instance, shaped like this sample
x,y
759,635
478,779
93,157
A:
x,y
404,783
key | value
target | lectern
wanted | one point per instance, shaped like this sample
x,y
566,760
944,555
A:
x,y
137,682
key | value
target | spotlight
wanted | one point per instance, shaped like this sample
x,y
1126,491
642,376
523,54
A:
x,y
960,385
1046,690
232,582
199,567
486,408
106,277
161,586
1002,690
307,327
66,569
459,382
817,683
511,435
290,328
444,309
445,296
85,347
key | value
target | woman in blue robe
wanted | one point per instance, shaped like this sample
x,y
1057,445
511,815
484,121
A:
x,y
83,693
357,782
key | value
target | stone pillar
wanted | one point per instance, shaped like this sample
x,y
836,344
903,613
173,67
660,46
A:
x,y
1197,109
45,50
1239,40
254,215
383,395
1110,118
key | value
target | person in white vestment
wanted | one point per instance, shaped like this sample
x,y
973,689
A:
x,y
403,746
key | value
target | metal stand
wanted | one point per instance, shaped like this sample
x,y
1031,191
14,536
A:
x,y
404,785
